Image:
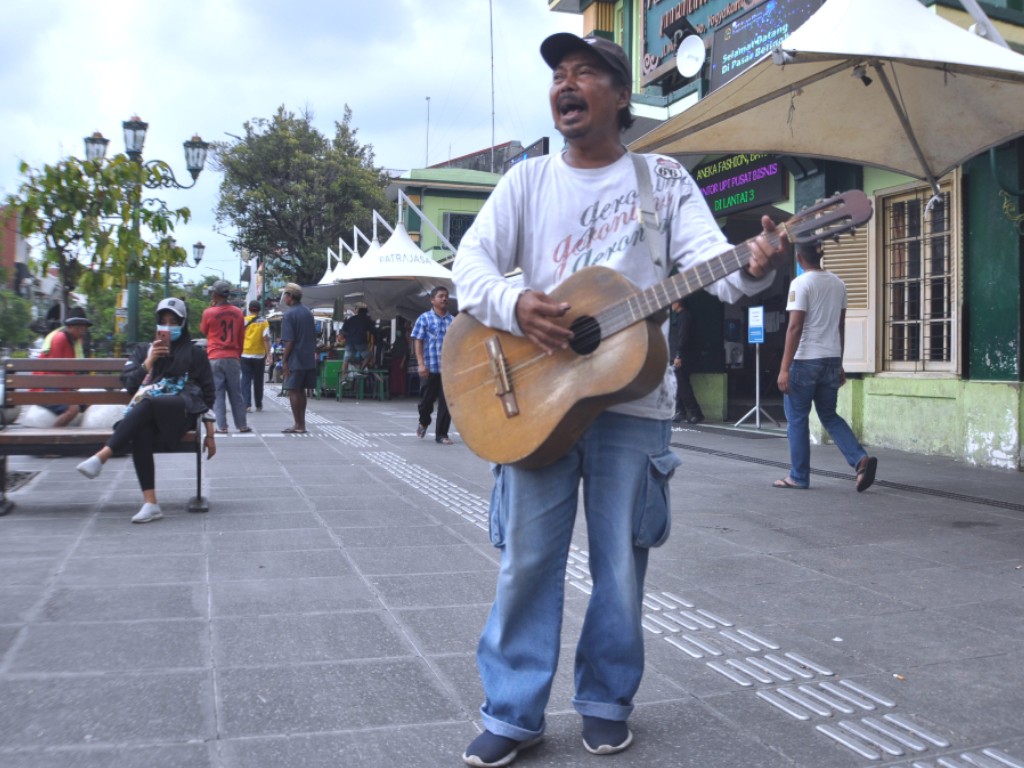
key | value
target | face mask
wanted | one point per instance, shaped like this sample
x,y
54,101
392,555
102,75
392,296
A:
x,y
174,330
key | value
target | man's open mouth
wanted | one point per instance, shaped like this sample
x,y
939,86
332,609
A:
x,y
570,105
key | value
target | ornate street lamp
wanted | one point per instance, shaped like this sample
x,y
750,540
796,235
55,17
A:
x,y
96,147
198,249
134,140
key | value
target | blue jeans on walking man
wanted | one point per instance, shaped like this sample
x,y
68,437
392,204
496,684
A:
x,y
531,520
816,382
227,378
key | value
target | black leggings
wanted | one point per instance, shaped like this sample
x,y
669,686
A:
x,y
153,422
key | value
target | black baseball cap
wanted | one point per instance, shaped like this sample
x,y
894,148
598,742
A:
x,y
555,48
76,316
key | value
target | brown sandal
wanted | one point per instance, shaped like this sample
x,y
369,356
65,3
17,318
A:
x,y
786,482
866,473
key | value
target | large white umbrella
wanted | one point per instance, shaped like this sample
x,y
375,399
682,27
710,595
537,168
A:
x,y
394,280
886,83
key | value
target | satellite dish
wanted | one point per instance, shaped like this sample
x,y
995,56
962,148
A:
x,y
690,56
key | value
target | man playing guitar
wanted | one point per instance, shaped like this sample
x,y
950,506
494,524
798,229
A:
x,y
553,216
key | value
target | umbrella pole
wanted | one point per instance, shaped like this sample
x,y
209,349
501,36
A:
x,y
901,114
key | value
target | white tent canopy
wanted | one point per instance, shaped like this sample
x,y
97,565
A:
x,y
393,279
886,83
398,258
355,258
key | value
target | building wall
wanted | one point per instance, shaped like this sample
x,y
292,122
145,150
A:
x,y
976,422
993,327
976,414
435,206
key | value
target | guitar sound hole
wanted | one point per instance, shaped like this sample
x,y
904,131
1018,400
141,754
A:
x,y
586,335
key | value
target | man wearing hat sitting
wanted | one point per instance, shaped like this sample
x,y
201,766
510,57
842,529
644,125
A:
x,y
66,342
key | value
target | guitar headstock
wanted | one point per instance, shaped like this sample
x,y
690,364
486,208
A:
x,y
830,218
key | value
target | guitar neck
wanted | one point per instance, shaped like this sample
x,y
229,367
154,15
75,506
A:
x,y
652,300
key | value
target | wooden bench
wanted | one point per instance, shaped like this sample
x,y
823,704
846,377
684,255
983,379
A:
x,y
88,381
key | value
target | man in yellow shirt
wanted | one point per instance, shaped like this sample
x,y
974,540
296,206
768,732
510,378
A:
x,y
255,353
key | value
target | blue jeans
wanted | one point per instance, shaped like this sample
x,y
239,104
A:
x,y
625,464
252,380
227,379
816,381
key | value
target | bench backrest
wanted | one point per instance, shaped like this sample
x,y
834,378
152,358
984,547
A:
x,y
82,381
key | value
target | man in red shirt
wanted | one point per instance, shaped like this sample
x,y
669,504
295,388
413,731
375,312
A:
x,y
224,327
66,342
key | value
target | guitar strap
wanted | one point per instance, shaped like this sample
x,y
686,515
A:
x,y
648,211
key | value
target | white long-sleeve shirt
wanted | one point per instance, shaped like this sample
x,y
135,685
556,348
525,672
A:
x,y
551,220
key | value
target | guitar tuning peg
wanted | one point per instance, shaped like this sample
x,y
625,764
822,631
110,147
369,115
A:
x,y
835,238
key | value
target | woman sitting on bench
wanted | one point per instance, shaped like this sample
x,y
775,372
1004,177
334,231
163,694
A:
x,y
172,385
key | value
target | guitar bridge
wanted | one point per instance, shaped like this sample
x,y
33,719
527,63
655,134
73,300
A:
x,y
502,380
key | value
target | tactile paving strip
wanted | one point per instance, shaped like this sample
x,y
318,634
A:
x,y
347,436
466,505
986,758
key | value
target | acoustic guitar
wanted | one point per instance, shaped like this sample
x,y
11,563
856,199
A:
x,y
515,404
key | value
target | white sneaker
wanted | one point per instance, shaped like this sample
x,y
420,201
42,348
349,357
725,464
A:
x,y
91,467
148,513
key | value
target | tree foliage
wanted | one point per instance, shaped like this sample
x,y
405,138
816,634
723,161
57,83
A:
x,y
15,315
82,215
290,192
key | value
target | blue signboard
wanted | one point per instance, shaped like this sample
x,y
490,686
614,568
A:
x,y
755,325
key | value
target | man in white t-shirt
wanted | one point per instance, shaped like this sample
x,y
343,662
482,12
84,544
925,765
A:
x,y
552,216
812,370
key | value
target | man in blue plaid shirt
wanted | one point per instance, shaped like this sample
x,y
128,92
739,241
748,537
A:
x,y
428,336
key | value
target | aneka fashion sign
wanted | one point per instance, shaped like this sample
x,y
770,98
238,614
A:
x,y
735,183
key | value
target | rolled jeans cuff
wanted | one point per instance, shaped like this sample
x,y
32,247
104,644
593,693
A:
x,y
604,710
501,728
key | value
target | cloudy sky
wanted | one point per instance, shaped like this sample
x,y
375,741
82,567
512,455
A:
x,y
68,68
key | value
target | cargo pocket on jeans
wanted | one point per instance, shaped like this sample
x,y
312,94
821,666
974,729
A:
x,y
653,519
498,512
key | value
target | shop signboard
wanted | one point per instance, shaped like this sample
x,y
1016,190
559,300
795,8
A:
x,y
755,325
737,182
740,43
659,17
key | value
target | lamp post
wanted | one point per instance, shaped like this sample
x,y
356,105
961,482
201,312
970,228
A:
x,y
134,139
197,256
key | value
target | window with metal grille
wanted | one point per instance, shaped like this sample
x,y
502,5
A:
x,y
455,226
920,282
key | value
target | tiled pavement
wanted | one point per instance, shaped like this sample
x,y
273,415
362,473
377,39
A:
x,y
325,612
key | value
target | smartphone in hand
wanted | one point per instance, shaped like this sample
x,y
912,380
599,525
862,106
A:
x,y
164,336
